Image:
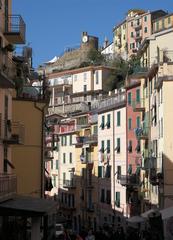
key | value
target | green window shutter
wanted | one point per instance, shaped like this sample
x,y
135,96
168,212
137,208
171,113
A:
x,y
62,141
129,98
99,171
108,121
108,146
129,123
138,122
103,122
138,95
57,164
102,146
51,164
70,139
64,156
118,118
118,145
70,157
117,197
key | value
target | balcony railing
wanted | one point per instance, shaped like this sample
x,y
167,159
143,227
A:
x,y
90,207
15,29
137,26
12,132
138,106
8,186
69,183
129,180
48,155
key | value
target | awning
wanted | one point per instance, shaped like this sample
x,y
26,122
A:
x,y
5,82
27,206
136,219
147,213
167,213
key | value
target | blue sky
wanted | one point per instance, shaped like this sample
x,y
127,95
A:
x,y
53,25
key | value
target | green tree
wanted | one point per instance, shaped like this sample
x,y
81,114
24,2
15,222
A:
x,y
95,57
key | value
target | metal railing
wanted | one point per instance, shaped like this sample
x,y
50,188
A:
x,y
138,105
109,102
14,24
12,132
69,183
8,185
129,179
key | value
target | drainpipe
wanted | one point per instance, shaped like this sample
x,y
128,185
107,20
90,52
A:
x,y
114,163
42,147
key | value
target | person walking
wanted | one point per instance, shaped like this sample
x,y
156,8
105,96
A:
x,y
90,236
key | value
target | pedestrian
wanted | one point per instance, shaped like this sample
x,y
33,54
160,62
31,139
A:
x,y
90,236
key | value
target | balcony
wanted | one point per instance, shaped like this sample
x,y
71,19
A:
x,y
138,37
90,208
137,26
12,132
8,186
93,139
15,29
142,133
48,155
69,184
129,180
79,141
138,106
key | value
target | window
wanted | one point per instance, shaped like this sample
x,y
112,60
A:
x,y
100,171
117,199
131,24
129,98
138,122
70,141
130,146
108,121
145,30
95,130
84,88
131,34
108,197
102,146
129,124
102,197
103,122
157,26
54,181
124,36
57,163
85,76
64,177
145,19
118,172
70,157
64,157
138,95
163,23
97,77
108,146
161,131
75,78
124,26
138,147
118,118
51,164
169,20
118,145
